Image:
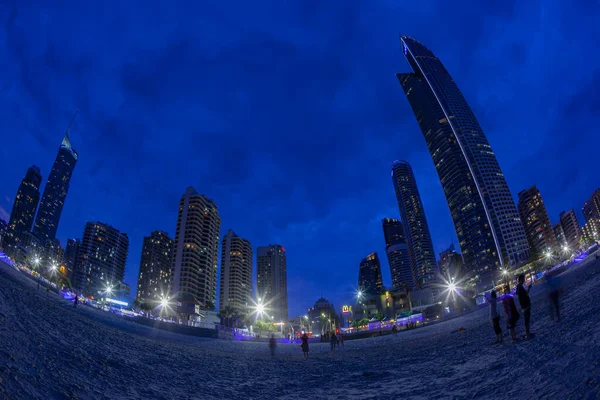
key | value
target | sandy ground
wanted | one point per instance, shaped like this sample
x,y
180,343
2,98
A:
x,y
50,350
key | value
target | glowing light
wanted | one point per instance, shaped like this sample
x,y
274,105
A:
x,y
164,302
119,302
548,254
109,290
452,287
36,261
504,272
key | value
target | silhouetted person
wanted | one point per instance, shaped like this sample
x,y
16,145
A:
x,y
512,314
394,330
493,301
304,345
525,302
341,338
553,287
332,341
76,300
272,345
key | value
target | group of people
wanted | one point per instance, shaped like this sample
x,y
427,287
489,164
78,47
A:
x,y
334,342
510,307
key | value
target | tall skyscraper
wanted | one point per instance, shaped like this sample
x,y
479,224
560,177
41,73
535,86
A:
x,y
397,253
271,280
451,264
369,275
416,230
196,251
486,220
55,192
155,267
23,211
571,228
591,208
102,258
71,256
236,272
536,221
560,235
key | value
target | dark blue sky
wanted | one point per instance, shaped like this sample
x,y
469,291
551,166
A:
x,y
288,115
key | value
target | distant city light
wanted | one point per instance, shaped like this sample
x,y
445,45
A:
x,y
452,287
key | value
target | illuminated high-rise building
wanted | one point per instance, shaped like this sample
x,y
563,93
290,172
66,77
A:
x,y
23,211
536,221
155,268
591,208
397,253
416,229
369,275
101,259
560,235
236,273
55,192
271,280
487,223
451,264
571,228
196,252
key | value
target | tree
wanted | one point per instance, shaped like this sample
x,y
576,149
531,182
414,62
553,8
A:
x,y
265,327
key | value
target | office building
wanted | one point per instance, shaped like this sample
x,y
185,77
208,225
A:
x,y
196,253
236,273
271,280
397,253
571,229
416,229
24,206
101,260
369,275
536,221
55,192
487,223
155,268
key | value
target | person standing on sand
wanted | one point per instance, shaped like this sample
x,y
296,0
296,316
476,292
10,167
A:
x,y
272,345
553,287
304,345
332,341
342,339
512,314
493,301
76,300
525,302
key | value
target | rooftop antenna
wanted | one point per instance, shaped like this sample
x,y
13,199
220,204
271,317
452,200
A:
x,y
71,123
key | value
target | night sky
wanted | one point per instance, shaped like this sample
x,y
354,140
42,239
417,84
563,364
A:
x,y
288,115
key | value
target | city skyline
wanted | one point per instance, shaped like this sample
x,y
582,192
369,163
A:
x,y
131,174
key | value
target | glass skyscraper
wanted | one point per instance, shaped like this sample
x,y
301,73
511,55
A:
x,y
55,192
23,211
486,220
369,275
416,229
397,253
